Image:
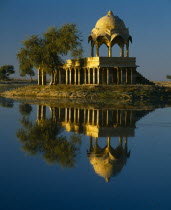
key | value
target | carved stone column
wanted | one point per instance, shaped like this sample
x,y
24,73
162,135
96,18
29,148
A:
x,y
127,50
70,77
43,77
97,51
92,51
85,76
93,76
75,76
131,76
78,76
88,116
98,76
39,77
126,75
122,51
66,76
110,51
88,75
121,75
118,76
59,76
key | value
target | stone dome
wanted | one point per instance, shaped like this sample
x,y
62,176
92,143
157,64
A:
x,y
110,30
110,22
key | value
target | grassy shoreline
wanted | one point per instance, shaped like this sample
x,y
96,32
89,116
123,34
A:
x,y
126,93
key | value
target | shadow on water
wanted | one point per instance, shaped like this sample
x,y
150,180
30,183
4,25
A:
x,y
45,135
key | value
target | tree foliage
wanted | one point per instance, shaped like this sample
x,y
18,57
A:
x,y
168,76
6,71
44,52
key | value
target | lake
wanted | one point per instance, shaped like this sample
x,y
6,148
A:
x,y
77,156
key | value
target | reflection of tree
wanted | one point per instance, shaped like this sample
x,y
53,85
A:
x,y
6,102
25,109
43,139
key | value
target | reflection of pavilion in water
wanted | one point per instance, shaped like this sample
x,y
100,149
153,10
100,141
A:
x,y
107,161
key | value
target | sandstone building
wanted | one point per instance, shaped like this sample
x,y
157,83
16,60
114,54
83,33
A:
x,y
96,70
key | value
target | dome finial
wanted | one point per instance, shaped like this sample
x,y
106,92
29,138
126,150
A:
x,y
110,12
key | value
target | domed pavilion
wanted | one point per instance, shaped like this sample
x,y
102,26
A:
x,y
109,30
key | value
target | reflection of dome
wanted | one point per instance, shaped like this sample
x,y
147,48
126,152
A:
x,y
108,162
108,28
106,166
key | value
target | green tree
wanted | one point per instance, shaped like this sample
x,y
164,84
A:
x,y
45,52
26,68
168,76
6,71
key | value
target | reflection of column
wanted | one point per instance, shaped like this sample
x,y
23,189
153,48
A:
x,y
117,116
84,116
131,77
69,114
120,122
59,112
38,112
93,117
125,117
120,141
66,115
74,115
78,115
91,143
97,117
43,112
131,118
108,141
107,117
88,116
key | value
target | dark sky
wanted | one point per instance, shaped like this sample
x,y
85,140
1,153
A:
x,y
149,23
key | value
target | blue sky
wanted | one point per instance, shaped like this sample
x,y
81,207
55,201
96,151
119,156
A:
x,y
149,23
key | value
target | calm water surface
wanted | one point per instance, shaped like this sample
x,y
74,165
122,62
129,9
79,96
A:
x,y
84,157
